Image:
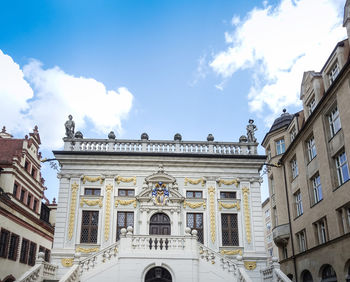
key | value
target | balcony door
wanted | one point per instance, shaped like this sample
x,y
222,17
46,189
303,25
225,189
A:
x,y
159,224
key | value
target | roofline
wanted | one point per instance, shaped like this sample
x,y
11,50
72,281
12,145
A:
x,y
339,44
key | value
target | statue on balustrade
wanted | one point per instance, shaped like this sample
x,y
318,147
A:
x,y
70,126
251,128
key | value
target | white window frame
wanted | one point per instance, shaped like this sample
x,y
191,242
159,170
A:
x,y
280,146
294,166
311,105
333,73
321,229
316,189
302,241
342,167
293,133
298,203
334,121
311,148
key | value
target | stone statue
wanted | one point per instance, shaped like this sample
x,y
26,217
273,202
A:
x,y
251,128
69,125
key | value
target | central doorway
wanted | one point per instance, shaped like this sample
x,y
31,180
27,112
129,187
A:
x,y
158,274
159,224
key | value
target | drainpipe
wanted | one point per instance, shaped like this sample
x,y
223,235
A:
x,y
289,222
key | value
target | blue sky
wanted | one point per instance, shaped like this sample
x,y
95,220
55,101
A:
x,y
161,67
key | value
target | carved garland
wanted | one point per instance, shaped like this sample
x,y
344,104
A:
x,y
109,188
72,210
250,265
86,251
125,202
92,179
211,191
195,181
231,252
229,206
245,191
67,262
195,205
227,182
126,180
91,202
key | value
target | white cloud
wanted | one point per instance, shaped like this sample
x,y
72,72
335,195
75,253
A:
x,y
278,44
201,71
58,94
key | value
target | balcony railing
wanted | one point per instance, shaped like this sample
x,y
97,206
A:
x,y
163,146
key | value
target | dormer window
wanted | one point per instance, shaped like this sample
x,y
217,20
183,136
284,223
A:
x,y
311,106
333,73
293,133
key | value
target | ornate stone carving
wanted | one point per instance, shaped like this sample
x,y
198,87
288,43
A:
x,y
195,181
87,250
245,191
73,202
211,191
228,205
125,179
125,202
250,265
109,189
195,205
92,179
227,182
69,126
160,194
231,252
91,202
251,128
67,262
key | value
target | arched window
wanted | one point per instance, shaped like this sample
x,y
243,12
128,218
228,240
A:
x,y
158,274
159,224
328,274
306,276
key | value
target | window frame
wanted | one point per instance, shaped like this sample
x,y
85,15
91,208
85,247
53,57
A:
x,y
126,192
13,248
89,227
125,223
317,194
23,257
232,232
200,231
302,241
194,196
339,168
298,204
93,190
32,253
311,105
280,146
311,148
4,242
223,193
334,121
334,72
294,167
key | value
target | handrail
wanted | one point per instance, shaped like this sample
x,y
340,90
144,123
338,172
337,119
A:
x,y
32,274
72,275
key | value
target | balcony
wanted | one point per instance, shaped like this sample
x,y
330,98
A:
x,y
281,234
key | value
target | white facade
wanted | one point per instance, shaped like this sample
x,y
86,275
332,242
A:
x,y
114,166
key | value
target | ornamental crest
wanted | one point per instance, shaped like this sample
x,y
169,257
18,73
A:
x,y
160,194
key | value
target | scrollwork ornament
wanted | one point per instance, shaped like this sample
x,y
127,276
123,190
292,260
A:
x,y
211,191
194,205
92,179
245,191
194,181
67,262
125,179
91,202
109,189
250,265
73,202
231,252
125,202
87,250
228,182
229,206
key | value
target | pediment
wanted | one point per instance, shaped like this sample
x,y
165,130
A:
x,y
161,176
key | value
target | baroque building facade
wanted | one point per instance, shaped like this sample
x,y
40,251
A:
x,y
25,225
309,174
142,210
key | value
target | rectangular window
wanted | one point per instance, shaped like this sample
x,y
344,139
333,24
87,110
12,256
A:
x,y
298,204
294,166
126,192
4,241
302,241
280,146
311,148
13,247
29,200
26,166
194,194
89,227
47,253
333,73
342,168
45,213
267,213
311,106
32,253
334,121
23,193
228,195
15,189
92,191
35,205
33,173
124,219
195,221
321,231
316,189
293,133
23,258
229,227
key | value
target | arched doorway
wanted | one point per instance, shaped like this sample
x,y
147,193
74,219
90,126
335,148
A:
x,y
159,224
328,274
158,274
306,276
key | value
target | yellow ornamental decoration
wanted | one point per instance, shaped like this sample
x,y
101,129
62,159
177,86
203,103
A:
x,y
67,262
109,189
92,179
250,265
245,191
211,191
73,202
231,252
227,182
195,205
125,202
125,180
91,202
86,250
229,206
195,181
